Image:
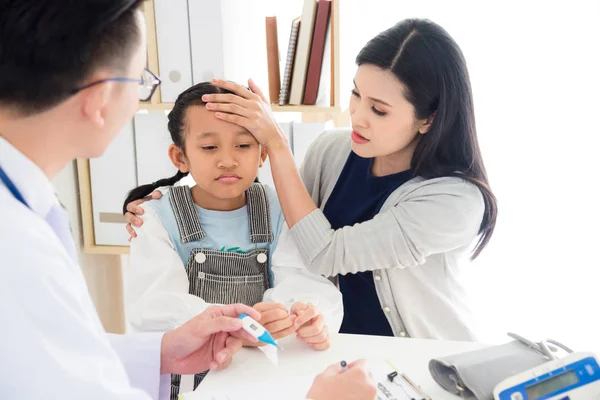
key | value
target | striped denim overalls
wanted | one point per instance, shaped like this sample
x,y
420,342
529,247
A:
x,y
224,277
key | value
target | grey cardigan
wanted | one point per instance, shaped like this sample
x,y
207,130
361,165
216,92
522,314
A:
x,y
415,246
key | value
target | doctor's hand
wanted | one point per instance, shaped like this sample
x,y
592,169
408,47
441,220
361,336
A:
x,y
356,383
207,341
276,319
311,327
246,108
133,213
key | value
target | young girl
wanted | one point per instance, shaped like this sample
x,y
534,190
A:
x,y
214,243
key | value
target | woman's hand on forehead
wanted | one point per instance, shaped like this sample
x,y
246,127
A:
x,y
246,108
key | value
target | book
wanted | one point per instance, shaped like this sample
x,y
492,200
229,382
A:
x,y
325,92
302,52
284,93
315,62
273,59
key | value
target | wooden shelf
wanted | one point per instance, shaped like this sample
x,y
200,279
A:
x,y
156,103
274,107
304,109
156,106
114,250
152,46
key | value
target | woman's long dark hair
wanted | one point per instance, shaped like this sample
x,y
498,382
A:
x,y
188,98
432,68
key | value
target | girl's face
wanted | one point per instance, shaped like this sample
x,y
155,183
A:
x,y
222,158
383,121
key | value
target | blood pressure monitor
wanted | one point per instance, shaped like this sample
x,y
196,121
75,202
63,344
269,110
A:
x,y
574,377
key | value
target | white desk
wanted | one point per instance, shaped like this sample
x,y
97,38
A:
x,y
298,365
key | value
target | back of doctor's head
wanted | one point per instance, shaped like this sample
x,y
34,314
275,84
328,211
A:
x,y
48,48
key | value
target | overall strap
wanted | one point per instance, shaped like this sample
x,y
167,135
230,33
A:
x,y
186,215
259,214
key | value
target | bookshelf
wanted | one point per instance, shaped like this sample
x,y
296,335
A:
x,y
274,108
152,52
307,113
156,102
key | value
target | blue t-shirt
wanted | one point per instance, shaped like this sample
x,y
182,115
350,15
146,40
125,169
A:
x,y
225,230
357,197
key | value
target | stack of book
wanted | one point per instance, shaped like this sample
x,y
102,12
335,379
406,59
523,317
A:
x,y
307,73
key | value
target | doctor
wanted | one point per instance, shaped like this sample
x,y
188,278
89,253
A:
x,y
69,81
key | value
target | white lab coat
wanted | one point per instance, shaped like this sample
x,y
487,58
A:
x,y
52,344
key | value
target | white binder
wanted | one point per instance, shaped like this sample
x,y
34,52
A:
x,y
173,40
206,32
112,177
304,134
152,141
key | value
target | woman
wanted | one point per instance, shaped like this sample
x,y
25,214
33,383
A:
x,y
394,207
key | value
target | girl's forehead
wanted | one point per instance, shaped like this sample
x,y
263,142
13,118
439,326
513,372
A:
x,y
241,134
202,123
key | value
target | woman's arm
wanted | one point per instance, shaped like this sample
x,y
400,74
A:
x,y
441,215
296,203
156,294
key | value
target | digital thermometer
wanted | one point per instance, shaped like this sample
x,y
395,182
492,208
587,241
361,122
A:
x,y
257,330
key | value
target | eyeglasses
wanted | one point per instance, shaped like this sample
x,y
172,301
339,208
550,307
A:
x,y
148,84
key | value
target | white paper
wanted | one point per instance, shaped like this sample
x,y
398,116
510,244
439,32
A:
x,y
276,387
272,353
289,388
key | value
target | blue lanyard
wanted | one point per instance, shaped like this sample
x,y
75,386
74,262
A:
x,y
12,188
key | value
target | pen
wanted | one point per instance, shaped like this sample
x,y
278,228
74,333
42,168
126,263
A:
x,y
344,366
392,375
415,387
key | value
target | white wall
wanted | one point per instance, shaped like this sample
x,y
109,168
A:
x,y
244,37
102,272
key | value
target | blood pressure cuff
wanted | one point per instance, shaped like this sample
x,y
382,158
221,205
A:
x,y
474,375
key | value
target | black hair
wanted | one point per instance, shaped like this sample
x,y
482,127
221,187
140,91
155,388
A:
x,y
433,71
48,48
190,97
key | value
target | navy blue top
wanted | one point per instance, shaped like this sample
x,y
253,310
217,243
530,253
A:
x,y
357,197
